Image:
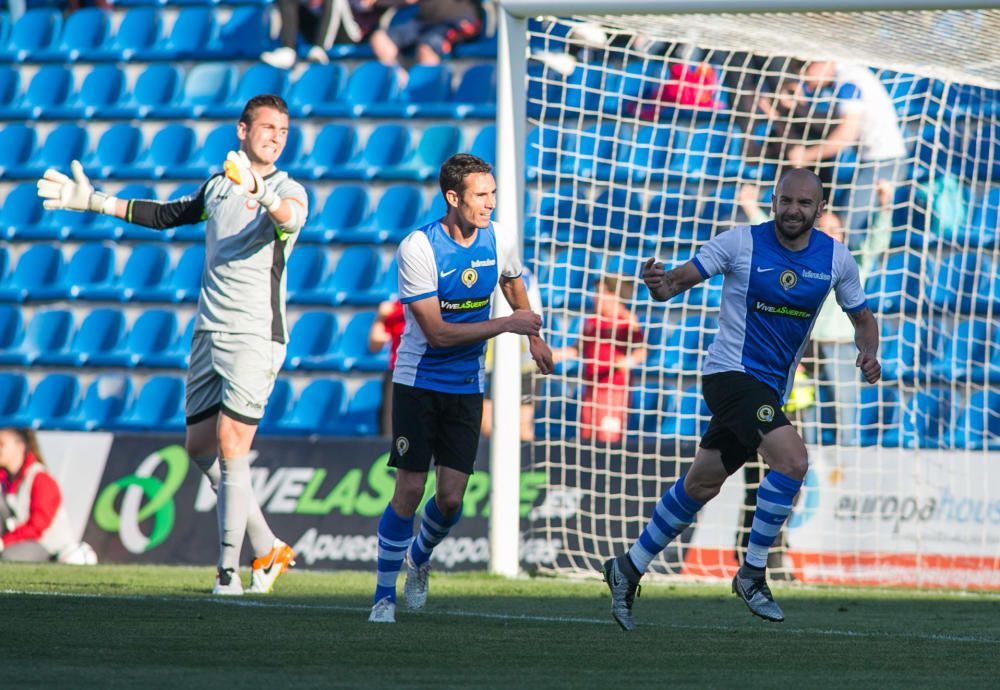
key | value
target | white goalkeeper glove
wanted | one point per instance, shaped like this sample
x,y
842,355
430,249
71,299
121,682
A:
x,y
248,182
76,194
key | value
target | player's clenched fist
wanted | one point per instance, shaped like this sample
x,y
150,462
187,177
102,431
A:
x,y
71,194
654,276
870,367
524,322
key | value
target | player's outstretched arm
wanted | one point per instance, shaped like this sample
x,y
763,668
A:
x,y
286,213
440,333
76,193
666,284
866,338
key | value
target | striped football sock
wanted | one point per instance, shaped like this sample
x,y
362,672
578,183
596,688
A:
x,y
774,504
673,513
434,527
394,536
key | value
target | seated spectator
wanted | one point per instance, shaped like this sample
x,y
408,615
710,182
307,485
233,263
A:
x,y
314,19
34,524
437,28
610,346
387,328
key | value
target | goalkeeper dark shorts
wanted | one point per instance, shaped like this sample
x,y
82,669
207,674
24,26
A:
x,y
429,424
743,410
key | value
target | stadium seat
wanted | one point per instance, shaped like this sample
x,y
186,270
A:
x,y
90,273
11,329
953,288
311,341
38,269
10,89
306,271
562,281
926,420
62,144
316,91
100,95
206,85
118,148
183,284
352,348
278,405
316,410
358,268
151,335
361,418
32,34
554,219
613,219
978,425
100,333
48,331
146,268
370,82
158,407
182,233
904,347
685,345
292,152
246,34
543,146
13,396
670,216
689,417
986,294
434,211
209,157
100,227
343,217
53,400
106,399
137,33
424,162
485,144
396,214
192,36
83,34
17,146
49,88
476,94
387,146
385,288
878,416
962,350
171,148
156,89
895,287
258,79
177,354
23,217
427,85
334,146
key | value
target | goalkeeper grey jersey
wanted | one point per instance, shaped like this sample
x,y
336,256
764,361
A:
x,y
243,283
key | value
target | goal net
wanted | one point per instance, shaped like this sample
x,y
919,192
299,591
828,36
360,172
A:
x,y
647,135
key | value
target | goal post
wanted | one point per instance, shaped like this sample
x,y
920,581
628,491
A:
x,y
632,129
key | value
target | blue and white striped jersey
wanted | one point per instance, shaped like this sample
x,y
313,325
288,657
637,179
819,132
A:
x,y
770,299
432,264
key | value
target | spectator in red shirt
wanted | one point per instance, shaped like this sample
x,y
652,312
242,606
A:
x,y
388,328
611,345
35,525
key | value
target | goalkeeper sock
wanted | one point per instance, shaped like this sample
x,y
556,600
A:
x,y
234,501
394,536
259,532
434,527
774,504
673,513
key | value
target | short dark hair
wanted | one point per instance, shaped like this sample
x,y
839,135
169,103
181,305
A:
x,y
457,168
265,100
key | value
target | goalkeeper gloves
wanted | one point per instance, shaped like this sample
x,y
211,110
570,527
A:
x,y
76,194
248,182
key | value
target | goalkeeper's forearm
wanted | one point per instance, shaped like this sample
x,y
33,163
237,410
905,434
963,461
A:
x,y
288,215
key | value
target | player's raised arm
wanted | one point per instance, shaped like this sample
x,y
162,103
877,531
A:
x,y
665,284
288,214
866,338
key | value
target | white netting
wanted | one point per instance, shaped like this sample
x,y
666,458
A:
x,y
647,137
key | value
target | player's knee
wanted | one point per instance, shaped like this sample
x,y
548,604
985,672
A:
x,y
796,466
448,504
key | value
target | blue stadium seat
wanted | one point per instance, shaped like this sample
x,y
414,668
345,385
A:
x,y
615,218
895,287
878,416
485,144
435,209
361,418
476,94
343,217
357,270
352,348
986,294
186,233
316,409
13,396
685,345
48,331
561,282
311,341
100,95
171,148
151,335
23,217
207,85
11,329
38,269
671,216
137,33
209,157
146,268
554,218
10,89
689,415
32,34
246,34
182,284
370,82
100,333
649,404
978,425
428,85
543,146
90,273
292,152
156,90
396,213
383,289
900,344
117,149
962,350
53,401
926,420
258,79
278,405
316,90
83,35
334,146
96,226
17,146
953,288
306,271
63,144
177,355
193,35
424,162
388,145
158,407
106,399
49,89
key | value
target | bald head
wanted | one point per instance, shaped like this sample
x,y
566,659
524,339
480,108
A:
x,y
802,179
797,202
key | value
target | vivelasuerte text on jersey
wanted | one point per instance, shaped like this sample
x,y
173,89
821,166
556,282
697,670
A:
x,y
243,284
462,279
770,298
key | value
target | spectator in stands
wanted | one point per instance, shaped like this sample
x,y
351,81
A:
x,y
35,525
315,20
387,328
611,345
437,28
868,120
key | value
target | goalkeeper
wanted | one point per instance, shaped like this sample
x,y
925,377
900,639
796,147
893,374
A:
x,y
253,212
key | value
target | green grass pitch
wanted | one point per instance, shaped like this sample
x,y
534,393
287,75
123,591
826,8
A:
x,y
151,627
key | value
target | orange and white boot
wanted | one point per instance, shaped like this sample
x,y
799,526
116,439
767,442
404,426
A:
x,y
270,566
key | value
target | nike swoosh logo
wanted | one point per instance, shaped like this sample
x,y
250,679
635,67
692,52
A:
x,y
445,274
763,270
